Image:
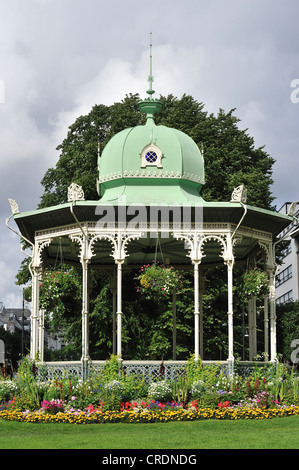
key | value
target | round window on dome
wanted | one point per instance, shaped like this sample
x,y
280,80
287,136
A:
x,y
151,156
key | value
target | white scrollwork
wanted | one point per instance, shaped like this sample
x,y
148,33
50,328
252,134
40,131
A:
x,y
104,236
14,206
37,252
293,208
157,174
218,238
192,240
267,248
239,194
196,241
119,242
86,252
75,193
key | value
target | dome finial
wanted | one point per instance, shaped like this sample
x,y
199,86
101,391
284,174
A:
x,y
150,77
150,106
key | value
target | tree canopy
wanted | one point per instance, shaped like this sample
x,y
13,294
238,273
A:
x,y
230,155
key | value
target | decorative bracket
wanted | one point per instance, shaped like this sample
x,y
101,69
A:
x,y
75,193
239,194
14,206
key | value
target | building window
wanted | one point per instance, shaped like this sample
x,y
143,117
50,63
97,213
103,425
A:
x,y
285,298
284,276
287,250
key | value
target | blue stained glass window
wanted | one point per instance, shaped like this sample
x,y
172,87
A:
x,y
151,156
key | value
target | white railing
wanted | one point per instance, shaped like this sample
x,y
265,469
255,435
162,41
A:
x,y
150,371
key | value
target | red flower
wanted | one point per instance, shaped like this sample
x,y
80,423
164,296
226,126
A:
x,y
224,404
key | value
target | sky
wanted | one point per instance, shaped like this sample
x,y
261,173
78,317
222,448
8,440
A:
x,y
58,58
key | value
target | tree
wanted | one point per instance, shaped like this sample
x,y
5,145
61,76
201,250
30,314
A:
x,y
79,151
230,158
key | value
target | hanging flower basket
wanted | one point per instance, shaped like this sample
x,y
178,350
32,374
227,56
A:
x,y
58,287
255,282
158,281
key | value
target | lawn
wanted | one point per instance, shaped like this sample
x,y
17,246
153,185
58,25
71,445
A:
x,y
277,433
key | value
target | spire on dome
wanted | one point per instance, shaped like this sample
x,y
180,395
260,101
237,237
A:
x,y
150,92
150,106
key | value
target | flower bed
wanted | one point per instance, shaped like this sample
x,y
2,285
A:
x,y
109,396
135,416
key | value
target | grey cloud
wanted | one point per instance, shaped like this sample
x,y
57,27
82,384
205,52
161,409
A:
x,y
58,58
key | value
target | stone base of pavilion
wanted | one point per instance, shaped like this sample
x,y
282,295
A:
x,y
150,371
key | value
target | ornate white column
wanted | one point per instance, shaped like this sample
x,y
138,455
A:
x,y
249,306
41,327
36,322
36,271
41,334
119,263
254,336
230,312
252,327
85,257
201,290
113,291
273,346
174,327
119,243
229,261
270,267
194,241
85,310
196,263
266,328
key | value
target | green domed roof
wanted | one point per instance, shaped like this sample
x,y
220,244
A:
x,y
151,163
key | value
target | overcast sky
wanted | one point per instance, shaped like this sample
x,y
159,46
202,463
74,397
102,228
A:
x,y
60,57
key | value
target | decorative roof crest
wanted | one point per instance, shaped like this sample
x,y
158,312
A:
x,y
14,206
239,194
75,193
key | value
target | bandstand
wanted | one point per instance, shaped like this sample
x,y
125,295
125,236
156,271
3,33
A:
x,y
149,185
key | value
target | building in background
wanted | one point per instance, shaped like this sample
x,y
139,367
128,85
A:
x,y
15,319
287,278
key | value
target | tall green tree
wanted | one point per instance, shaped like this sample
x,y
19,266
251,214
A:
x,y
229,152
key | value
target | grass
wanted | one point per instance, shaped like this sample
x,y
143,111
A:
x,y
277,433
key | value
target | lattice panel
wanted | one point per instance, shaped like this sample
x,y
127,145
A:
x,y
59,371
151,372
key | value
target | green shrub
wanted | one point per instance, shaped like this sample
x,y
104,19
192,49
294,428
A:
x,y
134,387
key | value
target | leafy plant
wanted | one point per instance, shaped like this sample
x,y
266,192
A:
x,y
112,369
255,282
59,289
157,280
26,381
